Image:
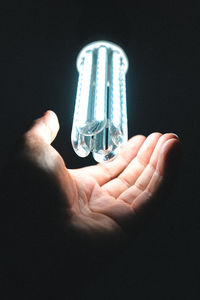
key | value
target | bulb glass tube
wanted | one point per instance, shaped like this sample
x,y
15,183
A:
x,y
100,115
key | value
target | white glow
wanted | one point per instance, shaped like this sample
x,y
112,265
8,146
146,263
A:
x,y
85,91
101,85
102,67
124,120
115,91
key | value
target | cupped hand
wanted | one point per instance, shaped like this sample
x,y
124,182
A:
x,y
102,199
62,226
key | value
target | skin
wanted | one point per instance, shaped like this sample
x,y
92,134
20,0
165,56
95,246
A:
x,y
73,222
101,198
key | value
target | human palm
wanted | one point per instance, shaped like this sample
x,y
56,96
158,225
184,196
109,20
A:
x,y
100,199
61,224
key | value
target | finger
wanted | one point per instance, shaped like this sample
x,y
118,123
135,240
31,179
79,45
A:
x,y
166,166
169,158
128,195
128,177
39,156
103,173
44,128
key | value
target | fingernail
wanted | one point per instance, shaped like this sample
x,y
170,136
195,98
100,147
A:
x,y
175,135
46,112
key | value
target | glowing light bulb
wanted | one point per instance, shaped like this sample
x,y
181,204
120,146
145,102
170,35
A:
x,y
100,115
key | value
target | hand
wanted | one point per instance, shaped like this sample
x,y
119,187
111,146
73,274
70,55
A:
x,y
94,204
100,199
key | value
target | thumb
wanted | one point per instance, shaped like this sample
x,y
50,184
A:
x,y
45,127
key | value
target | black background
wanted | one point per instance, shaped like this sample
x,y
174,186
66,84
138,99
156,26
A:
x,y
39,43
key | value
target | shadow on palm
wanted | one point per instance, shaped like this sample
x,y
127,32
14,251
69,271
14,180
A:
x,y
101,198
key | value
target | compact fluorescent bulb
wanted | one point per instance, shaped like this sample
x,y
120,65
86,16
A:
x,y
100,115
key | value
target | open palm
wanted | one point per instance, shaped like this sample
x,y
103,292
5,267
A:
x,y
101,198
